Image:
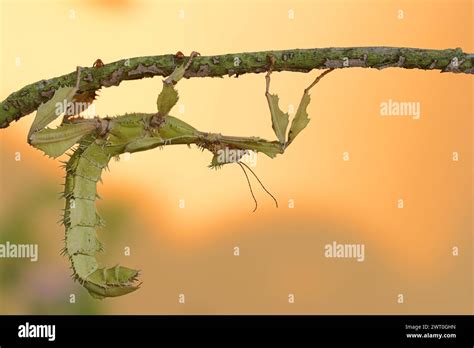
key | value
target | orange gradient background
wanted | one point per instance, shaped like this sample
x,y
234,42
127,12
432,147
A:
x,y
190,251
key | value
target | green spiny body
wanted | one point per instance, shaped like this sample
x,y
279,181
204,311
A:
x,y
81,219
101,139
128,133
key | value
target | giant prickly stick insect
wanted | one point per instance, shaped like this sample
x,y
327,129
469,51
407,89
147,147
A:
x,y
100,139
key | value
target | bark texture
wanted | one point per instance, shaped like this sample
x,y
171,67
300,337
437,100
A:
x,y
30,97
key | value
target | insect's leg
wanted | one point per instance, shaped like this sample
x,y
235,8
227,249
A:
x,y
324,73
54,142
81,100
143,144
280,119
179,71
66,116
271,61
301,119
169,96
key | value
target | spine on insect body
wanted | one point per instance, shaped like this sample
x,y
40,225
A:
x,y
81,222
114,136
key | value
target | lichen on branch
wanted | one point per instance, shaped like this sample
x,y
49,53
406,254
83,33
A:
x,y
30,97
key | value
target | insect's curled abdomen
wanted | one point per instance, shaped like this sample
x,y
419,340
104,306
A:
x,y
81,221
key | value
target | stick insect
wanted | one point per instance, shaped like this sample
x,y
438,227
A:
x,y
95,141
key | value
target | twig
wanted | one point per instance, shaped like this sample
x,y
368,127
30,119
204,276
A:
x,y
30,97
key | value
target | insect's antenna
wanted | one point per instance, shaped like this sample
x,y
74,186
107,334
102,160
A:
x,y
256,177
250,185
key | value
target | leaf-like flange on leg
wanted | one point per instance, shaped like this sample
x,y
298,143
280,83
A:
x,y
219,145
169,96
54,142
280,119
167,99
49,111
301,119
